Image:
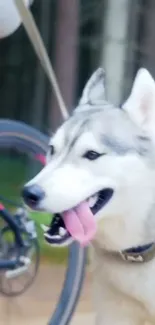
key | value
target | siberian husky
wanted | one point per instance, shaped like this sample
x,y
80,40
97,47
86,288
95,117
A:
x,y
99,182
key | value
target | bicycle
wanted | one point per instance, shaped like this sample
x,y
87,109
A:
x,y
19,247
17,136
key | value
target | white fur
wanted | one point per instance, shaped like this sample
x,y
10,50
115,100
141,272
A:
x,y
124,293
94,89
141,103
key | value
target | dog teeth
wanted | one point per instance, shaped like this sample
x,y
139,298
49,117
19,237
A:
x,y
52,237
92,200
62,231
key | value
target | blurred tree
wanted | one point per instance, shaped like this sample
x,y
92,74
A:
x,y
147,36
39,94
114,47
75,32
66,56
17,69
90,39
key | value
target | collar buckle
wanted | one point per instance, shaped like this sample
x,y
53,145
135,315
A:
x,y
132,258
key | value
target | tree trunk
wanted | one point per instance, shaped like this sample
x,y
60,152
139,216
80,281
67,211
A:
x,y
66,57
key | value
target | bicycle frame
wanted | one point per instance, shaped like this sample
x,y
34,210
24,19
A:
x,y
7,217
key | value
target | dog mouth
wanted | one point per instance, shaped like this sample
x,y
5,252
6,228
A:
x,y
77,223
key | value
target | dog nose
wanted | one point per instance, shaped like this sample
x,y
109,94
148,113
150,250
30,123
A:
x,y
32,195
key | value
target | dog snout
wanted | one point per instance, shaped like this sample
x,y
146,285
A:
x,y
32,195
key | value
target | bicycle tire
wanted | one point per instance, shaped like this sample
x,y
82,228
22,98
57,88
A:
x,y
13,133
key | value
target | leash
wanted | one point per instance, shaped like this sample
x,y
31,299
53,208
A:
x,y
38,45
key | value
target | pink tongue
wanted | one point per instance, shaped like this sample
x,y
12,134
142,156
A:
x,y
80,223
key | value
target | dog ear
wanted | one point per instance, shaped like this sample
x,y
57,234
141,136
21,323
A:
x,y
93,92
141,103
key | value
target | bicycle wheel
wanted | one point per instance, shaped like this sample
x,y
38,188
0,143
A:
x,y
10,280
17,136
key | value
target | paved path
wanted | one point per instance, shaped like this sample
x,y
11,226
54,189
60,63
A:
x,y
36,305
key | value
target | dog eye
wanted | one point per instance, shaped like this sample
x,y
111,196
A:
x,y
51,150
91,155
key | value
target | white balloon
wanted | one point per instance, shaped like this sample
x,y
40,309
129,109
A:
x,y
9,17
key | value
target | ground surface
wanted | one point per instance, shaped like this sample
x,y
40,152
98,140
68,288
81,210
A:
x,y
36,305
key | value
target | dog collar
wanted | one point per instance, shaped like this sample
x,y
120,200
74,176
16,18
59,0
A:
x,y
139,254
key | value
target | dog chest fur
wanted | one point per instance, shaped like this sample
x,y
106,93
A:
x,y
124,292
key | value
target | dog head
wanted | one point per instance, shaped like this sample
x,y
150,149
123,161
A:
x,y
99,176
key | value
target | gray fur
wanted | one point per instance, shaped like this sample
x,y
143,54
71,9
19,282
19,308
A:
x,y
113,127
94,89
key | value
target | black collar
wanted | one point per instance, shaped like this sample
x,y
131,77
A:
x,y
139,254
